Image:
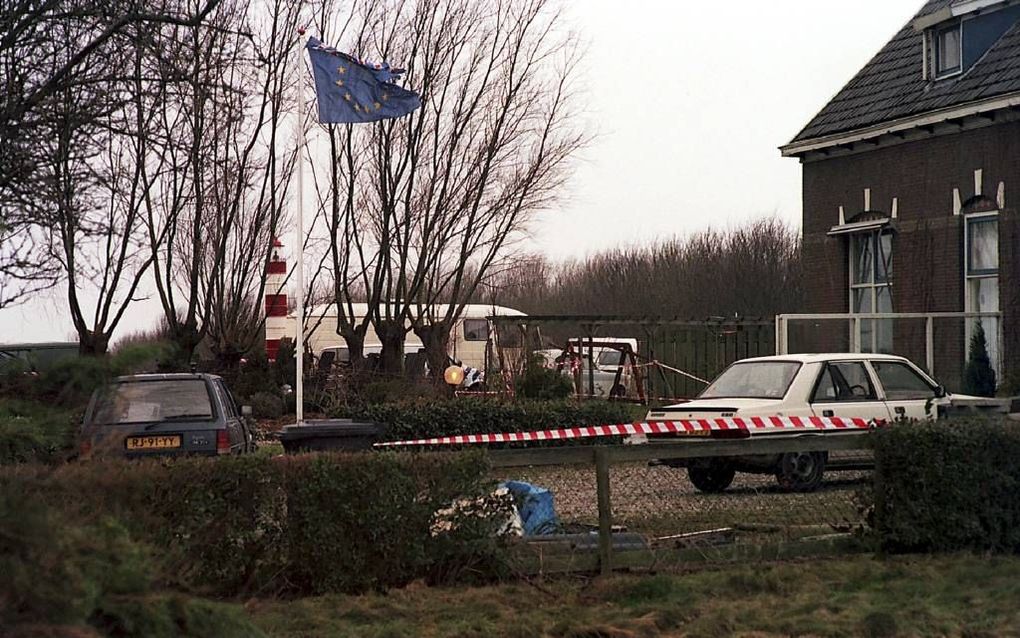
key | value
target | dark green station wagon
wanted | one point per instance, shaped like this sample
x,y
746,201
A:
x,y
165,414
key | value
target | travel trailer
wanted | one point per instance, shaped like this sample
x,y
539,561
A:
x,y
473,336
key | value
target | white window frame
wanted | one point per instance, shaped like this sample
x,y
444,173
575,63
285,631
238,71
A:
x,y
936,48
995,353
874,237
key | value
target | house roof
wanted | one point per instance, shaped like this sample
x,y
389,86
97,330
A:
x,y
892,87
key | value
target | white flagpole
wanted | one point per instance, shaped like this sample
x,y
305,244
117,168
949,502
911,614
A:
x,y
299,273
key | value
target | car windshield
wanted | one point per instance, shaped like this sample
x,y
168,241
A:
x,y
610,358
753,380
149,401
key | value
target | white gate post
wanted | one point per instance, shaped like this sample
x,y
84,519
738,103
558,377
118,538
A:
x,y
929,344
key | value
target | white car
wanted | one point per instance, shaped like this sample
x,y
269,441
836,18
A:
x,y
880,388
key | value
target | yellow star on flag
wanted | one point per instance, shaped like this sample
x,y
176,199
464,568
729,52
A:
x,y
341,70
339,83
347,96
378,106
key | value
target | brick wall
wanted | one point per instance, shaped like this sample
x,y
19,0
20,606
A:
x,y
928,251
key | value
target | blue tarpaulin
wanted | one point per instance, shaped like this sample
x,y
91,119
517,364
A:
x,y
535,505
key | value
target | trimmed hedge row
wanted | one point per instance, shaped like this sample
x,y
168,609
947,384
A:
x,y
63,576
948,486
424,418
308,524
32,432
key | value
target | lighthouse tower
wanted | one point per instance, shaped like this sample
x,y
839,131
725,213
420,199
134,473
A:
x,y
276,301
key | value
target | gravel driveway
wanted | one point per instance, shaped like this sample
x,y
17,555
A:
x,y
660,500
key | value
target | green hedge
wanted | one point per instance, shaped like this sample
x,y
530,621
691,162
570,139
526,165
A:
x,y
424,418
62,575
366,522
306,524
948,486
32,432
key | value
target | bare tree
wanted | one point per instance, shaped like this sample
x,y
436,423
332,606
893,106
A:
x,y
213,212
425,206
751,271
52,51
89,194
251,176
25,266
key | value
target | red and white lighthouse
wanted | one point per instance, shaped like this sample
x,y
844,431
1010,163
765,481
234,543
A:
x,y
276,301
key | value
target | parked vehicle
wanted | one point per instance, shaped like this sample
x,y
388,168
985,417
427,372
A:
x,y
879,388
165,414
36,357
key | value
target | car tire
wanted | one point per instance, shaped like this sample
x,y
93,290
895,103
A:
x,y
801,471
618,392
713,477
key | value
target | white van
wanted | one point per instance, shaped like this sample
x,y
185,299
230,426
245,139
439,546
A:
x,y
470,339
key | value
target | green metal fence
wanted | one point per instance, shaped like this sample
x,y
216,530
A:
x,y
676,356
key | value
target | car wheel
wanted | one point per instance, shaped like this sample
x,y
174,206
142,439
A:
x,y
712,478
618,392
801,471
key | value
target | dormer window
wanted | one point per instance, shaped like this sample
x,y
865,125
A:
x,y
956,36
948,50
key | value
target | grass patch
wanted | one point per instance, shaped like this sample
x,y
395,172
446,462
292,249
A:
x,y
955,595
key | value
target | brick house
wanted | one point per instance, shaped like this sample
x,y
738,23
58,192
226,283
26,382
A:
x,y
911,175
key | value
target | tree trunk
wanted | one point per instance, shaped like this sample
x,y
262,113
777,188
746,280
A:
x,y
436,339
355,340
391,336
93,344
185,339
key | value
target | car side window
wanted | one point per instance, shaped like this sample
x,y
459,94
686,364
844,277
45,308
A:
x,y
901,382
227,399
842,382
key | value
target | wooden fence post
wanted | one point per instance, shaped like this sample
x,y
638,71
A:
x,y
878,488
605,511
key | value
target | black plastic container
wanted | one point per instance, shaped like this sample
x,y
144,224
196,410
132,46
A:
x,y
329,435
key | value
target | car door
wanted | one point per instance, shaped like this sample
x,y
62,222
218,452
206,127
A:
x,y
908,393
846,389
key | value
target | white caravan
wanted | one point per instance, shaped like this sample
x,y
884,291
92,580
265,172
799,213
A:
x,y
469,339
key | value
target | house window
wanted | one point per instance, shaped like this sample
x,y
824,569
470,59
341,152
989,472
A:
x,y
982,278
871,287
948,50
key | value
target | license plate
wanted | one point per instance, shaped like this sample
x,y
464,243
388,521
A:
x,y
156,442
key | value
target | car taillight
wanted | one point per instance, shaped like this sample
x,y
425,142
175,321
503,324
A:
x,y
222,442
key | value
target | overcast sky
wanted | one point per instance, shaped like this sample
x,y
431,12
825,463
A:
x,y
690,140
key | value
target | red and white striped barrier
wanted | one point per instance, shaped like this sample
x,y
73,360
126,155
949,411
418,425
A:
x,y
755,425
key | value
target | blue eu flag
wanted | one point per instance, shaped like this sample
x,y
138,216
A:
x,y
351,91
